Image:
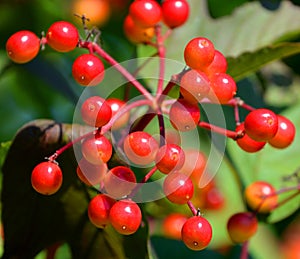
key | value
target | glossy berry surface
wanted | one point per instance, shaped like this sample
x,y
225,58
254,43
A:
x,y
172,225
125,216
194,86
199,53
169,157
88,70
178,188
140,147
46,178
62,36
242,226
261,196
95,111
218,65
22,46
98,210
175,12
285,133
261,124
119,181
196,233
246,143
116,106
223,87
89,173
97,150
145,13
184,116
135,33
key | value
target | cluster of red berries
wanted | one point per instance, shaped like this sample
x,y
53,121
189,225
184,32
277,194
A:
x,y
205,80
144,15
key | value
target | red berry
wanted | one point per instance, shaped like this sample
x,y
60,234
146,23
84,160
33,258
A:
x,y
125,216
22,46
178,188
175,12
169,157
96,150
285,133
194,165
116,106
172,225
242,226
98,210
184,116
145,13
196,233
140,147
261,196
119,181
46,178
95,111
223,87
199,53
261,124
135,33
62,36
90,174
218,65
246,143
194,86
88,70
213,198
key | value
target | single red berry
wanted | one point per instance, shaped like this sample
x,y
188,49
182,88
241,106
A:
x,y
125,216
223,87
261,124
119,181
95,111
96,150
88,70
175,12
116,106
218,65
213,198
246,143
98,210
196,233
169,157
62,36
184,116
194,86
178,188
199,53
140,147
145,13
135,33
261,196
285,133
22,46
194,165
89,173
46,178
172,225
242,226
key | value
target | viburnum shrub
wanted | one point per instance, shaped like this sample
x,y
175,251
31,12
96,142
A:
x,y
120,154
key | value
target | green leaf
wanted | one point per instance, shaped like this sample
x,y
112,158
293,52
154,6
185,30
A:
x,y
248,62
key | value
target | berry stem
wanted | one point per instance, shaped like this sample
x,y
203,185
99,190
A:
x,y
244,252
239,102
161,53
161,127
96,48
230,134
192,208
